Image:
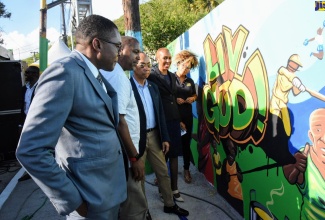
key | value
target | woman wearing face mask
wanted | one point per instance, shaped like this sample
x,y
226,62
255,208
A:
x,y
186,95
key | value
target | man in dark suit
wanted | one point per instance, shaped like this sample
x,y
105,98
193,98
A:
x,y
154,137
75,115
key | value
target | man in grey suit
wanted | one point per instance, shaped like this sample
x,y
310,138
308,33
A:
x,y
74,116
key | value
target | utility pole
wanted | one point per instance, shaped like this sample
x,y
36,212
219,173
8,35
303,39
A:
x,y
64,35
132,20
34,55
43,42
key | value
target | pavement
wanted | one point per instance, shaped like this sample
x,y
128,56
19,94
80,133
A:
x,y
24,200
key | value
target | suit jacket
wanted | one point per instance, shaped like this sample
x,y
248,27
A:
x,y
72,115
167,93
159,115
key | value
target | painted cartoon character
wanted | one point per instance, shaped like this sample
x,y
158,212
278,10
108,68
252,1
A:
x,y
285,82
319,40
309,170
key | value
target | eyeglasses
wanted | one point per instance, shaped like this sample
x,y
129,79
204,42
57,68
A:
x,y
117,45
142,65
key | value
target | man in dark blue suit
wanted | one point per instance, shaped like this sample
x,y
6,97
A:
x,y
154,136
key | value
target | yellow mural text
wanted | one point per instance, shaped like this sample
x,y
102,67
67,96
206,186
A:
x,y
234,105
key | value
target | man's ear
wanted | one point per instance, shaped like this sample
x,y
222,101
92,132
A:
x,y
96,44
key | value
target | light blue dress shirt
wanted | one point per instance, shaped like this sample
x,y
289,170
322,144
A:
x,y
147,103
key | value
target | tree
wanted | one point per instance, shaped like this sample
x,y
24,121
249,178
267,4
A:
x,y
3,14
203,5
160,25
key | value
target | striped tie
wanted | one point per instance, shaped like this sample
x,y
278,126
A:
x,y
99,78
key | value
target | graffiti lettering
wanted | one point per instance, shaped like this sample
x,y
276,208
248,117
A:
x,y
234,105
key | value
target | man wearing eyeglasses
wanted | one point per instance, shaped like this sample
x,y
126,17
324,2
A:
x,y
74,116
286,81
135,207
154,138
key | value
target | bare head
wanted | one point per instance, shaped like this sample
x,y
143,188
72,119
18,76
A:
x,y
142,69
32,74
164,59
99,40
129,54
317,136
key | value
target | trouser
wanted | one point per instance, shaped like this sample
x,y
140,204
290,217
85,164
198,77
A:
x,y
157,161
135,207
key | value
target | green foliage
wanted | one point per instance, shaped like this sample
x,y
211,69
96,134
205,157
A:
x,y
162,21
161,25
120,24
3,12
31,60
203,5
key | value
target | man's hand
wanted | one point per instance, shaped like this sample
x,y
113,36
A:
x,y
183,126
297,83
165,147
190,100
137,168
82,209
180,101
294,173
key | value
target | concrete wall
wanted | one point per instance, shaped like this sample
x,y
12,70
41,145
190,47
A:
x,y
259,125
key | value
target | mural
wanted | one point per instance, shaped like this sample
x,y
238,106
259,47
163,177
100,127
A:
x,y
260,113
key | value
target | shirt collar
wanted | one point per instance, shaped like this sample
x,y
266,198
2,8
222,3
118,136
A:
x,y
138,85
91,66
28,85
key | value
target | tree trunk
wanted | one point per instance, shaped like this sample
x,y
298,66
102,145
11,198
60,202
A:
x,y
131,15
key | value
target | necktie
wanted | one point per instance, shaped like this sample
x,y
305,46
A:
x,y
99,78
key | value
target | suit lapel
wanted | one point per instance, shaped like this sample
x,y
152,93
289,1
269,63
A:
x,y
106,97
160,77
113,104
154,96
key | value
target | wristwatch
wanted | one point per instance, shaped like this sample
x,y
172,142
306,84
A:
x,y
135,158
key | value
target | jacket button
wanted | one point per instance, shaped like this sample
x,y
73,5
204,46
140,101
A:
x,y
172,103
119,151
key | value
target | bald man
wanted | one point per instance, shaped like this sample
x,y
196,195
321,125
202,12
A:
x,y
309,170
166,82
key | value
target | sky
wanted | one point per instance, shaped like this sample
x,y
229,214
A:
x,y
21,31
